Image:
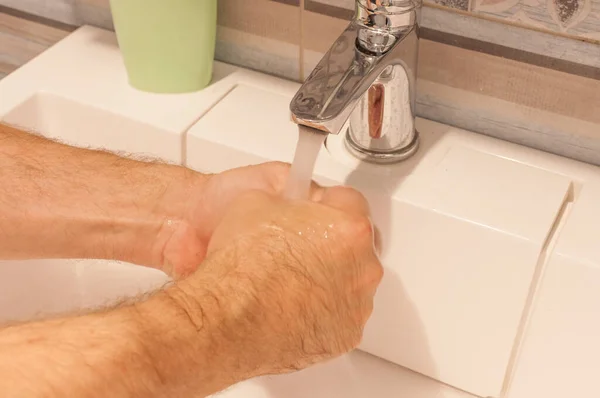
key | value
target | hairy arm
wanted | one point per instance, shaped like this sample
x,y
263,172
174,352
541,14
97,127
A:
x,y
58,201
161,347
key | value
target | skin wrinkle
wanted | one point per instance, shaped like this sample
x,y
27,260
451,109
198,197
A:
x,y
187,308
168,229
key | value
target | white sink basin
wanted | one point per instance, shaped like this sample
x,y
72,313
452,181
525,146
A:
x,y
64,119
37,288
486,244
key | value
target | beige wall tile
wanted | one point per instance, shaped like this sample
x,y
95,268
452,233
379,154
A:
x,y
21,40
548,131
260,34
258,52
318,33
580,18
262,18
32,31
17,51
94,12
58,10
518,82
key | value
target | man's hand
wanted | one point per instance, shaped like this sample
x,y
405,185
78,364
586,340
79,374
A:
x,y
289,284
58,201
188,240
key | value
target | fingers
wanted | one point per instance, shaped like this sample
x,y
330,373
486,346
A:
x,y
347,200
353,202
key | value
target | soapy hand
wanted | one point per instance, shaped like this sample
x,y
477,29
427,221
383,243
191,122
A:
x,y
294,281
207,204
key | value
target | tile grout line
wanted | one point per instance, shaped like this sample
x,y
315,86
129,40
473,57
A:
x,y
186,131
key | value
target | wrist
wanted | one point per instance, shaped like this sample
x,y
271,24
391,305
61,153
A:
x,y
185,342
67,202
157,215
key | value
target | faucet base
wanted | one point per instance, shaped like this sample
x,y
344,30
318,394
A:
x,y
382,157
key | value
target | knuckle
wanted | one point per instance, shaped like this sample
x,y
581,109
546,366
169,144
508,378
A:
x,y
277,174
363,228
279,166
347,193
352,194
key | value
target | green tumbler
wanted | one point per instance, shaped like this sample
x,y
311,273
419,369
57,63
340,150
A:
x,y
168,46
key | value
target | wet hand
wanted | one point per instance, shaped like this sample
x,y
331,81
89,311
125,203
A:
x,y
206,204
293,283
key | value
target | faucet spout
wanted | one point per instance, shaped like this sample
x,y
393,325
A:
x,y
365,83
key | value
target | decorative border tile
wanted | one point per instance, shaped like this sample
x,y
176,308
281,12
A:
x,y
462,5
510,37
579,18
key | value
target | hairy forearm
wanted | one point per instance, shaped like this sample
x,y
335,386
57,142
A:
x,y
149,349
66,202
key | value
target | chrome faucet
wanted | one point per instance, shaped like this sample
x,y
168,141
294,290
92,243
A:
x,y
367,83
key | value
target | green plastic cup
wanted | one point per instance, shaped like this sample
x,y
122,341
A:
x,y
168,46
